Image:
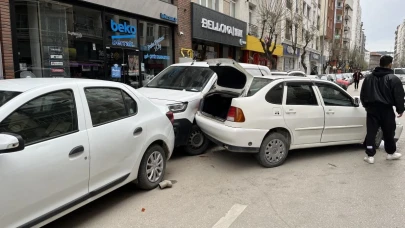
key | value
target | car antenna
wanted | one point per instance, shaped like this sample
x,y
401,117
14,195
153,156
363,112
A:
x,y
260,70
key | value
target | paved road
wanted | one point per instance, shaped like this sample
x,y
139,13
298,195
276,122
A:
x,y
323,187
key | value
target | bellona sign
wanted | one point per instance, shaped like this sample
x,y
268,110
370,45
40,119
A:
x,y
222,28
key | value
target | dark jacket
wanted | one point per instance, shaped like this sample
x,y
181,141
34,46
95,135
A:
x,y
357,76
383,88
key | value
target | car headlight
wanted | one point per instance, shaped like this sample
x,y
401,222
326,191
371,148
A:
x,y
178,107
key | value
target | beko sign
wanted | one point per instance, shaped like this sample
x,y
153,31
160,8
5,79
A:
x,y
213,26
230,30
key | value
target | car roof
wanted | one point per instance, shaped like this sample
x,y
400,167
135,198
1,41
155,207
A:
x,y
247,65
25,84
205,64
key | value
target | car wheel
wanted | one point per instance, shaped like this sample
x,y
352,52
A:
x,y
273,151
152,168
197,143
378,139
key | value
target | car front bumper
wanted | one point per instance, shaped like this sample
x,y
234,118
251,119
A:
x,y
182,129
233,139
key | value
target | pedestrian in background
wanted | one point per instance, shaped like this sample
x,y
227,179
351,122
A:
x,y
356,78
380,91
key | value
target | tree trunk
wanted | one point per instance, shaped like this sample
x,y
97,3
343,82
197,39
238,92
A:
x,y
304,52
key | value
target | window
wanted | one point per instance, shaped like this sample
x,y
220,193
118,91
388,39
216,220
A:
x,y
288,30
164,31
109,104
149,30
333,96
229,7
308,11
304,7
339,18
6,96
275,95
289,4
300,94
257,85
212,4
182,78
44,117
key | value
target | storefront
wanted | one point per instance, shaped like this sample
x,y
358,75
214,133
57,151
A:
x,y
253,53
315,59
290,60
216,35
83,40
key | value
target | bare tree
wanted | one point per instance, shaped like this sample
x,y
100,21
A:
x,y
270,13
297,18
309,35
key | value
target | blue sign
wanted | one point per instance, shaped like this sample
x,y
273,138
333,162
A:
x,y
128,29
116,71
168,18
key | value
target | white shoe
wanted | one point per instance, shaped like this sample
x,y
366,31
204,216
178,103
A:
x,y
394,156
369,160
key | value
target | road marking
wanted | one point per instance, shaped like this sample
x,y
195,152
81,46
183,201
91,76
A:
x,y
230,216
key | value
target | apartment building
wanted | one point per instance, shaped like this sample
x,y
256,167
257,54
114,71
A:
x,y
399,50
326,32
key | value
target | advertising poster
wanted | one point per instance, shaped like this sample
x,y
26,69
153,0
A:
x,y
116,71
133,65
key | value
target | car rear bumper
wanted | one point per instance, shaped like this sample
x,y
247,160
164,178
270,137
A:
x,y
231,138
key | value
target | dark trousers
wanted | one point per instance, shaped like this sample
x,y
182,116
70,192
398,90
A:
x,y
356,84
384,117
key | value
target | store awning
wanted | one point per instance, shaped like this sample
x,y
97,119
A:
x,y
253,44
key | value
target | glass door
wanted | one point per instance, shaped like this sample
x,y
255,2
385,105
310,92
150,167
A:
x,y
131,58
115,64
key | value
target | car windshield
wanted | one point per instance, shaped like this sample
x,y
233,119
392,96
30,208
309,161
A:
x,y
399,71
182,78
6,96
258,84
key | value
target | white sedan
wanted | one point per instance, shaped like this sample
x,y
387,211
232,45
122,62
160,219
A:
x,y
67,142
269,116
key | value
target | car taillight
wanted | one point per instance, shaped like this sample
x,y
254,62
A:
x,y
235,115
170,115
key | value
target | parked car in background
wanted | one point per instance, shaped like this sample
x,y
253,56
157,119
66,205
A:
x,y
66,142
256,70
341,81
181,87
280,114
400,73
279,73
300,74
348,77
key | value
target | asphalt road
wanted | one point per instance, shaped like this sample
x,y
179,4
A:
x,y
323,187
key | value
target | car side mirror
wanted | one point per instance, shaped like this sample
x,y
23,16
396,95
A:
x,y
10,142
356,102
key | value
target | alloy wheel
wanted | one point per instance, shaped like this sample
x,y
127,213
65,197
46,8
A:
x,y
154,166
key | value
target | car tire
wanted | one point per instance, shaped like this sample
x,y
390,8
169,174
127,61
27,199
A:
x,y
273,151
153,161
378,139
197,143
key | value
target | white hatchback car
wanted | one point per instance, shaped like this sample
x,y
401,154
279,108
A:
x,y
67,142
271,115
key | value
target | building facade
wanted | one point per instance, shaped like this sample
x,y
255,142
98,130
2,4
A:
x,y
374,60
123,41
399,50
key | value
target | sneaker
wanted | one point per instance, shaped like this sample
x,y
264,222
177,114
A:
x,y
369,160
394,156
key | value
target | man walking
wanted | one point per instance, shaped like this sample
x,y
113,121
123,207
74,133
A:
x,y
356,77
381,91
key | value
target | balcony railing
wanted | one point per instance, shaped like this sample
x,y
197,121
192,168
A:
x,y
253,30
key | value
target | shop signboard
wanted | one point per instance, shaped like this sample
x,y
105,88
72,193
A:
x,y
214,26
123,31
289,50
315,57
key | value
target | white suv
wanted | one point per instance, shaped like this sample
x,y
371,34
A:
x,y
181,87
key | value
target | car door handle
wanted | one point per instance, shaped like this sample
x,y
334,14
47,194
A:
x,y
76,150
138,131
291,111
330,112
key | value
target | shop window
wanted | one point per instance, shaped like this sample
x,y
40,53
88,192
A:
x,y
156,49
288,30
212,4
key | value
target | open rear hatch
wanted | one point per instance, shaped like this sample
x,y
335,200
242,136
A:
x,y
233,81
